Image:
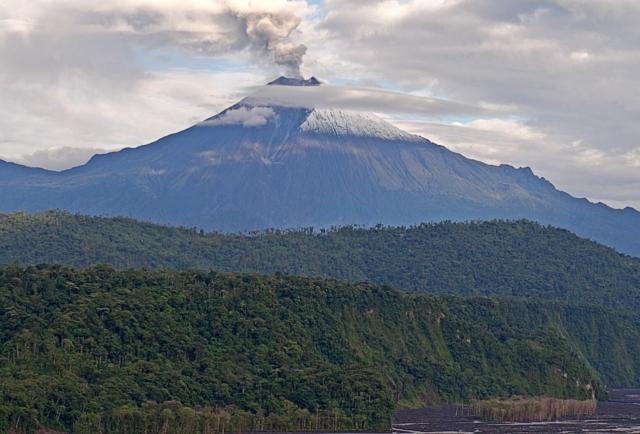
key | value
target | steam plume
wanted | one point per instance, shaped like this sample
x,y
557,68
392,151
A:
x,y
269,34
210,27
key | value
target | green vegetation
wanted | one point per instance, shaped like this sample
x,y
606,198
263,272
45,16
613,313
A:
x,y
520,309
172,417
490,258
123,351
533,409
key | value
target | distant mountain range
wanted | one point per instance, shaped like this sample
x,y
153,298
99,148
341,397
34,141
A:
x,y
263,165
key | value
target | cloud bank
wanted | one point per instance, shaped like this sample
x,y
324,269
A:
x,y
247,117
362,99
564,69
59,158
94,75
549,84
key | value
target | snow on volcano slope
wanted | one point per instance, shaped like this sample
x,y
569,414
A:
x,y
356,124
283,163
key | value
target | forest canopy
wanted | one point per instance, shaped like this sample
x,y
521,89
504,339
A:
x,y
517,258
99,347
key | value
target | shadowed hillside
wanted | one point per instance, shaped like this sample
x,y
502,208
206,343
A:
x,y
489,258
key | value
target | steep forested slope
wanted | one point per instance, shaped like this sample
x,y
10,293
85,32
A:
x,y
100,347
488,258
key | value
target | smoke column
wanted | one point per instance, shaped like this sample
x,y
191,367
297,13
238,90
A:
x,y
269,34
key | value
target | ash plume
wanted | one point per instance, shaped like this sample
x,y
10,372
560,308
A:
x,y
269,36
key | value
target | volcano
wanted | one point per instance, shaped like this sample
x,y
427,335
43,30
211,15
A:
x,y
263,164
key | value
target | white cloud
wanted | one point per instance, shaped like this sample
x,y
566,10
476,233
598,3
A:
x,y
211,28
58,158
362,99
580,56
566,69
580,168
125,72
550,84
247,117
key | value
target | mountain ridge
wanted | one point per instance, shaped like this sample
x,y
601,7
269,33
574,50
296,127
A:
x,y
256,166
522,259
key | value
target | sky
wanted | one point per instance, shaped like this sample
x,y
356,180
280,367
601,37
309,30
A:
x,y
546,84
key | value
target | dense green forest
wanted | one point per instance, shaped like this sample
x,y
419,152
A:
x,y
486,258
101,350
154,345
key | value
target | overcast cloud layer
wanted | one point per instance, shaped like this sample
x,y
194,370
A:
x,y
549,84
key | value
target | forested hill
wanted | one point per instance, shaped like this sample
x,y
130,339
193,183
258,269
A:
x,y
100,350
489,258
